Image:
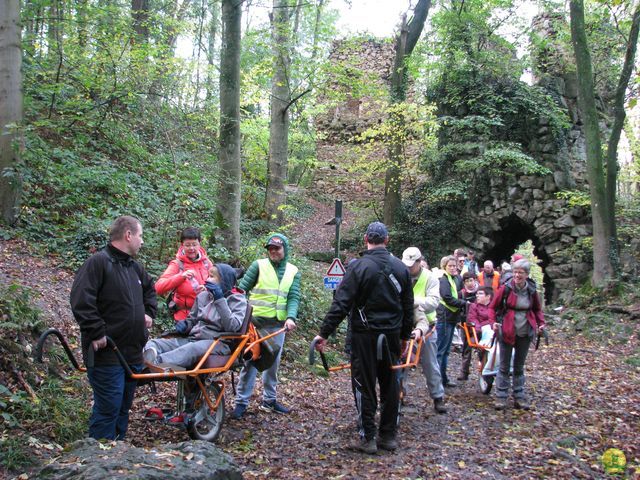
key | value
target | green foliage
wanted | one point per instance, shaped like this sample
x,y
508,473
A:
x,y
14,454
17,312
57,412
576,198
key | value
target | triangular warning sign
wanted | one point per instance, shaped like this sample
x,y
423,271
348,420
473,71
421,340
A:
x,y
336,269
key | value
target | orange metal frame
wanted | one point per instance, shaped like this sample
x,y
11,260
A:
x,y
409,363
160,373
473,343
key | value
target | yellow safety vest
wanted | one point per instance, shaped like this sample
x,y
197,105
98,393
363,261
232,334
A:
x,y
454,293
420,292
268,296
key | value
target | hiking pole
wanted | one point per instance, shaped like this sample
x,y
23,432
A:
x,y
542,333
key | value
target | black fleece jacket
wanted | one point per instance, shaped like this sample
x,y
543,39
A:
x,y
110,295
367,289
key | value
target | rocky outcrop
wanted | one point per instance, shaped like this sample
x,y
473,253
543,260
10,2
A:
x,y
91,460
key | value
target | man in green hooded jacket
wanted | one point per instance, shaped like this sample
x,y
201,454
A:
x,y
273,286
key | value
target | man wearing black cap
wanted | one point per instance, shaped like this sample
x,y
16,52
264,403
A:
x,y
376,292
273,285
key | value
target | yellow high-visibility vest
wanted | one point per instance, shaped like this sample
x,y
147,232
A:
x,y
454,293
269,296
420,292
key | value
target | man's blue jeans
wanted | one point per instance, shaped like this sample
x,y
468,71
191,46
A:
x,y
112,399
445,331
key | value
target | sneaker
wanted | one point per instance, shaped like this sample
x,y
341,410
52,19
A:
x,y
521,403
388,443
500,404
365,446
150,356
438,405
450,384
274,407
238,411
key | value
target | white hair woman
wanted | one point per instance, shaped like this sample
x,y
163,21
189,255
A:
x,y
518,308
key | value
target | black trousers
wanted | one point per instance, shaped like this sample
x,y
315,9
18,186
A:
x,y
365,370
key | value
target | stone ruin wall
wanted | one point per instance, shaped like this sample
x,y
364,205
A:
x,y
337,149
510,213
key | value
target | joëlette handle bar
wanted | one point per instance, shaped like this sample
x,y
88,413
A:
x,y
408,363
43,338
90,352
380,352
325,364
248,350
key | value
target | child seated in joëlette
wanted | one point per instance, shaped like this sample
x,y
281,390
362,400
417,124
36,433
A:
x,y
478,315
221,307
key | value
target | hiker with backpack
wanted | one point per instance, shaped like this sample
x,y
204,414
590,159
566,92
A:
x,y
112,295
376,293
186,274
517,309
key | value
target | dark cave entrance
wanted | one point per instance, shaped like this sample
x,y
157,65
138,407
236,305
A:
x,y
513,233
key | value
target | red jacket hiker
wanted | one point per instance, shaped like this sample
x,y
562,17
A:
x,y
507,310
173,279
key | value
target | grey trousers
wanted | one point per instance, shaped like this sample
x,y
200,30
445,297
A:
x,y
502,382
184,352
430,367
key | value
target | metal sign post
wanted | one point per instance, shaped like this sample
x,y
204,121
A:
x,y
336,270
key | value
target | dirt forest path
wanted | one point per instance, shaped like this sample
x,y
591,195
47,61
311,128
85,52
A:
x,y
585,400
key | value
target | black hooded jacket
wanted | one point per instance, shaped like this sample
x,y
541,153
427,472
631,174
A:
x,y
110,296
370,297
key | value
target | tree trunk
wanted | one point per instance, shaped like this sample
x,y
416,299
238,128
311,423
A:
x,y
140,17
214,8
10,109
602,268
229,194
614,137
276,196
405,43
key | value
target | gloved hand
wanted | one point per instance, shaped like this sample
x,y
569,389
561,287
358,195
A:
x,y
215,289
182,326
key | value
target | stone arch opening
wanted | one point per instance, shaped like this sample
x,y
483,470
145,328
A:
x,y
514,232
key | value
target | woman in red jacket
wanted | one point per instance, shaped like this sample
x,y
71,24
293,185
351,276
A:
x,y
186,274
518,306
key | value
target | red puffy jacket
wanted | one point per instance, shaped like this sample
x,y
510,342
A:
x,y
184,295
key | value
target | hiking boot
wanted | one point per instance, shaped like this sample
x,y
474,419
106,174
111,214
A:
x,y
365,446
238,411
521,403
388,443
438,405
500,404
150,355
274,407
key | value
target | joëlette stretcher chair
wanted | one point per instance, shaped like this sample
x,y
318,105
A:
x,y
205,407
411,359
485,381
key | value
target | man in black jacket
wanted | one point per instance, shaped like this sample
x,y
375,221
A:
x,y
377,295
112,295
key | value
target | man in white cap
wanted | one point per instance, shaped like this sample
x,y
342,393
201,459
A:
x,y
426,297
